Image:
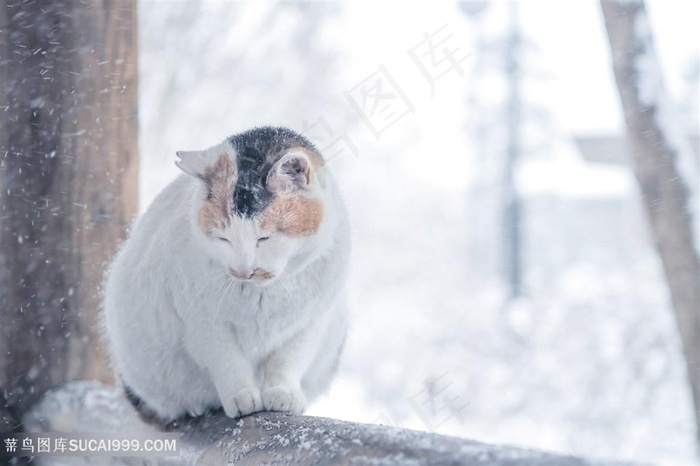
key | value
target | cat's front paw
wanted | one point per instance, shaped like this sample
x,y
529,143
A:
x,y
283,398
246,401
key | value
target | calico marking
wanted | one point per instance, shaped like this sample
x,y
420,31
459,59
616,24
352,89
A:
x,y
246,191
220,179
257,151
293,215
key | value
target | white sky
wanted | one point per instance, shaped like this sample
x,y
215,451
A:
x,y
571,48
572,80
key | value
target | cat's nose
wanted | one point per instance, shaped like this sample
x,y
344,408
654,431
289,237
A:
x,y
241,275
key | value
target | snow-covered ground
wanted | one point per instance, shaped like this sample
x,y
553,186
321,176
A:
x,y
586,362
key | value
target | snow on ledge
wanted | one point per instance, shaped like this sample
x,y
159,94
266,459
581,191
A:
x,y
267,438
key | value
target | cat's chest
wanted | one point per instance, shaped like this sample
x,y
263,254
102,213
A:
x,y
262,318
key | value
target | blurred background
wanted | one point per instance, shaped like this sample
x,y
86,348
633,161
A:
x,y
504,284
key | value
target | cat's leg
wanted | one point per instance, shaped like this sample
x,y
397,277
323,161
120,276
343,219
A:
x,y
325,364
232,374
283,369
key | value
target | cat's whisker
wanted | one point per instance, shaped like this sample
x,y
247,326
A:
x,y
222,289
210,280
226,291
286,288
228,288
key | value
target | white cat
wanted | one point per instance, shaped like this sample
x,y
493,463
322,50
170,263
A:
x,y
229,291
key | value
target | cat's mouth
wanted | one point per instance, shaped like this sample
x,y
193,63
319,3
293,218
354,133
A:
x,y
259,275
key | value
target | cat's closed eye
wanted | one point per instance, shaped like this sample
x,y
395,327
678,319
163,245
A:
x,y
262,238
221,238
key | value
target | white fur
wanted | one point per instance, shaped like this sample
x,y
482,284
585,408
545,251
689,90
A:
x,y
185,336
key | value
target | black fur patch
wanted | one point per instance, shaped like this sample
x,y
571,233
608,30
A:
x,y
258,150
145,412
148,415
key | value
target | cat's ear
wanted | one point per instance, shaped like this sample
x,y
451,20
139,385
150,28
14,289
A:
x,y
292,172
198,163
194,162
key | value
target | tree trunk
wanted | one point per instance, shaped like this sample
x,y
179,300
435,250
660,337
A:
x,y
666,173
68,183
512,213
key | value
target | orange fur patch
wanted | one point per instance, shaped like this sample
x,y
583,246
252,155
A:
x,y
262,274
293,215
220,179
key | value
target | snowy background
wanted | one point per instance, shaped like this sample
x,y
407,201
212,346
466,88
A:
x,y
587,360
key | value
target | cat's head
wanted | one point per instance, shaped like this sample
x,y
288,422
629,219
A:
x,y
260,203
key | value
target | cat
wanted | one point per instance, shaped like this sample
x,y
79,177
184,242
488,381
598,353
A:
x,y
229,292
